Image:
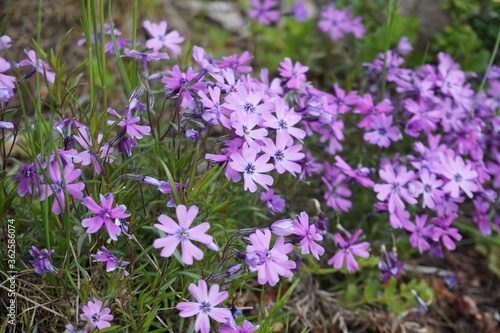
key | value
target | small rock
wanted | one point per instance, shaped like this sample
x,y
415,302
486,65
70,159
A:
x,y
467,306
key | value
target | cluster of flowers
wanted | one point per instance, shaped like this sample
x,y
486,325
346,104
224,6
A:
x,y
336,22
271,119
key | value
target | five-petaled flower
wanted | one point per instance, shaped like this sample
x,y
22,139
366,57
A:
x,y
104,215
41,261
205,306
347,250
98,317
181,233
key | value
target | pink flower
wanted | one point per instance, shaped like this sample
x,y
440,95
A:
x,y
129,122
270,263
181,233
444,232
161,38
283,122
98,318
347,251
284,158
262,11
420,233
383,133
309,236
461,175
205,306
62,185
252,167
39,65
394,190
294,73
104,215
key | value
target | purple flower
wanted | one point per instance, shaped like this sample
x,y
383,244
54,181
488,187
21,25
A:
x,y
283,122
252,167
347,250
394,189
337,192
161,38
460,175
88,156
129,122
430,189
39,65
41,261
62,185
309,235
420,233
192,134
444,232
294,73
104,215
110,259
338,22
360,175
263,12
28,178
235,63
284,158
299,11
247,327
481,216
6,94
205,306
98,318
282,227
383,133
5,42
270,263
274,203
181,233
404,47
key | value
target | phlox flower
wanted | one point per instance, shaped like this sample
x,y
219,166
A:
x,y
284,158
61,185
341,100
247,102
360,175
447,205
430,189
88,156
338,22
98,317
481,216
294,73
421,233
28,178
6,94
39,65
337,192
263,12
129,122
110,259
212,105
383,133
365,105
104,214
181,233
347,250
404,47
252,167
283,122
309,235
244,127
41,262
460,175
274,203
282,227
270,263
235,63
444,232
395,189
160,37
300,11
205,306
